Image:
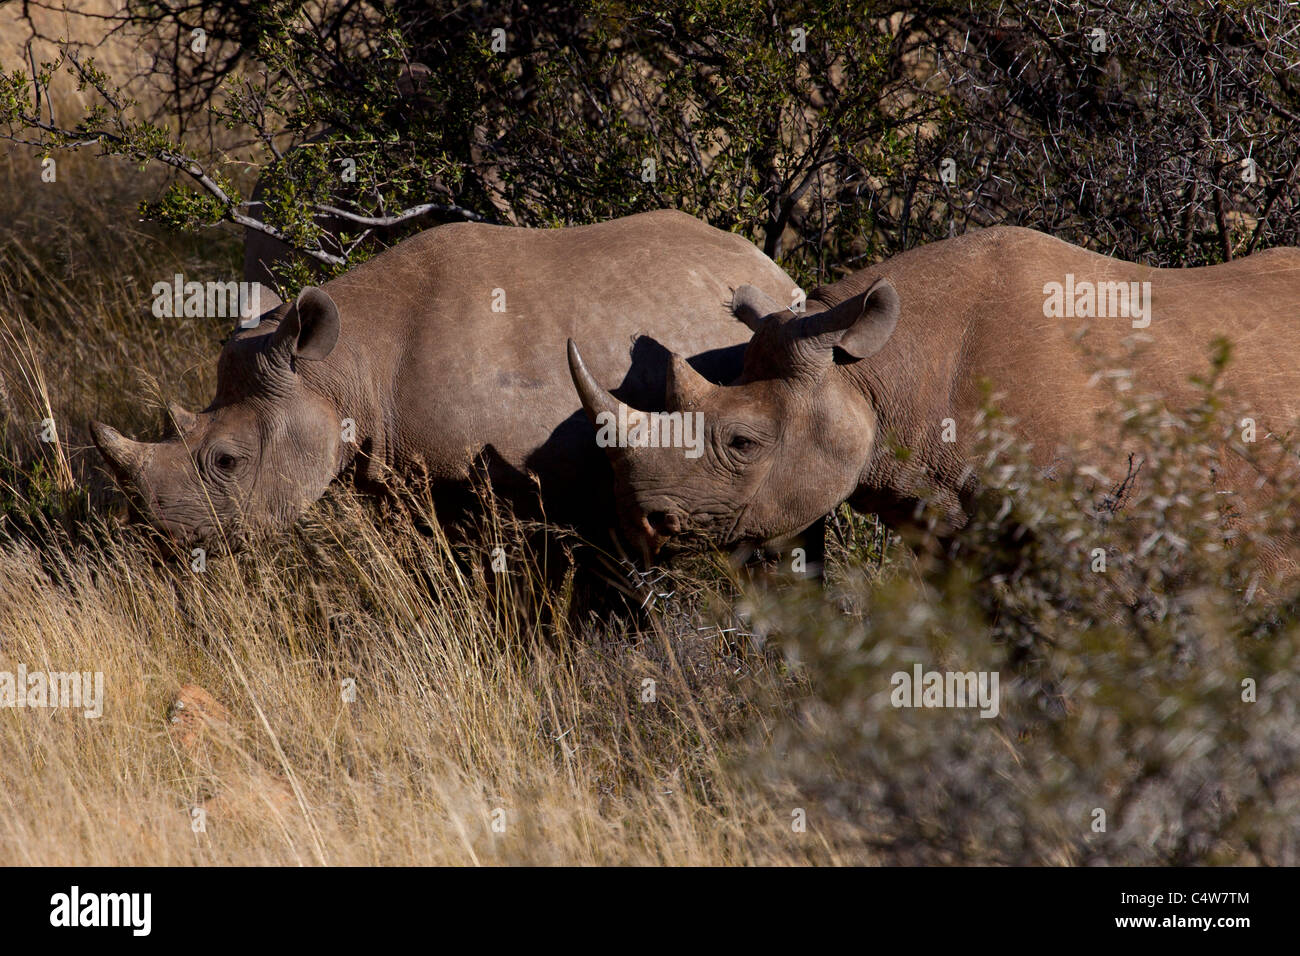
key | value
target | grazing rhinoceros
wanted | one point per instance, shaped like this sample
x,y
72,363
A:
x,y
890,354
442,356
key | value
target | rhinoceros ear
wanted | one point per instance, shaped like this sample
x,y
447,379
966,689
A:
x,y
752,305
860,325
310,329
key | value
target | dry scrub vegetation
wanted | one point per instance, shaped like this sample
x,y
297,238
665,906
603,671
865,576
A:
x,y
1122,691
462,709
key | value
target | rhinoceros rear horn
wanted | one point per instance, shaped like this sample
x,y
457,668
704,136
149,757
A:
x,y
686,387
124,457
860,325
182,417
310,329
752,305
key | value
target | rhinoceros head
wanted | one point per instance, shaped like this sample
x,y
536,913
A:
x,y
782,446
266,447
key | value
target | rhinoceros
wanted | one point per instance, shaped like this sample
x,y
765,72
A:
x,y
900,349
443,357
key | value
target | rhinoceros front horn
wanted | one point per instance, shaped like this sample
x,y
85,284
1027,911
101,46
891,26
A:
x,y
594,398
124,456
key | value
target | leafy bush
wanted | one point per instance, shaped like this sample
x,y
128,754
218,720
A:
x,y
827,133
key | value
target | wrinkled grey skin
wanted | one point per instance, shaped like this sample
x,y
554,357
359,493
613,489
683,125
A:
x,y
882,359
407,346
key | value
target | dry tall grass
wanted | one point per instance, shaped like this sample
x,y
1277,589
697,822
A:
x,y
473,738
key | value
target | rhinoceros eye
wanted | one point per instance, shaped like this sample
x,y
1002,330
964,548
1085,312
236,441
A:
x,y
742,444
225,462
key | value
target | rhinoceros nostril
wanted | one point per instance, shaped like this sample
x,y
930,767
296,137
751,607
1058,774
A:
x,y
665,522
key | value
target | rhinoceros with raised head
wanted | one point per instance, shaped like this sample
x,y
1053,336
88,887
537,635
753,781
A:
x,y
900,350
444,356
